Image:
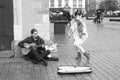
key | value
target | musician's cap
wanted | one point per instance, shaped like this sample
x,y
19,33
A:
x,y
33,30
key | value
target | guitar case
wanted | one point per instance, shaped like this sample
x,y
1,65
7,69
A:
x,y
73,69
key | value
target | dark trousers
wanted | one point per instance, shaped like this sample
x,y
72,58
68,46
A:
x,y
38,54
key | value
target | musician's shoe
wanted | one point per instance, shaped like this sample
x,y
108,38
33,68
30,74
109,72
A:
x,y
27,58
35,62
52,59
45,63
32,60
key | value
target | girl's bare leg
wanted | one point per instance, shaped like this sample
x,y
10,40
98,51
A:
x,y
87,55
78,57
78,53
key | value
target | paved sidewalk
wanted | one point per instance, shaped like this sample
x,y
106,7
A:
x,y
102,44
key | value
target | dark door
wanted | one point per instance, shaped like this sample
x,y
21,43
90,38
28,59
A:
x,y
59,28
6,24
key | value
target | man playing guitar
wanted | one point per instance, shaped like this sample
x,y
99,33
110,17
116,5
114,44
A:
x,y
33,48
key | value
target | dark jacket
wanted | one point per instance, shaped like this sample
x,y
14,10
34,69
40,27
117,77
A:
x,y
29,40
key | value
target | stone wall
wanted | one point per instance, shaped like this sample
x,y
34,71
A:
x,y
32,14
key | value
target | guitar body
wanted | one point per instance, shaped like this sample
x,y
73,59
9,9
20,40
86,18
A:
x,y
27,48
25,51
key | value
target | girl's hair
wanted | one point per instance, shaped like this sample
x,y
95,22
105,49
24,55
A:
x,y
79,26
78,12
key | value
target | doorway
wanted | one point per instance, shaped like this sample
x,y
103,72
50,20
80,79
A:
x,y
6,24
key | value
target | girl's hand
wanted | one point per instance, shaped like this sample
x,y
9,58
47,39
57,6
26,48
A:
x,y
69,35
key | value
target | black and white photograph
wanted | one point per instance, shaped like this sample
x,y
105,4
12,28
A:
x,y
59,39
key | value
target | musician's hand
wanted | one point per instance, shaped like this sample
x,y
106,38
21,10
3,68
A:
x,y
26,45
43,45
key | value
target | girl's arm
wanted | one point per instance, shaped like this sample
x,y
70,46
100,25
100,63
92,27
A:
x,y
85,30
70,32
72,29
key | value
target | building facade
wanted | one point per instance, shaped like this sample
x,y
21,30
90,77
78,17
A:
x,y
18,17
72,4
92,5
30,14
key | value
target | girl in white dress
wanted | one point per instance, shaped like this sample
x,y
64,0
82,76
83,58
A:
x,y
79,32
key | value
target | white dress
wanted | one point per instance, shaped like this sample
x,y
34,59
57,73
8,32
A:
x,y
77,40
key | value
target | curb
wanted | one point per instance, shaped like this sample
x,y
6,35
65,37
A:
x,y
118,20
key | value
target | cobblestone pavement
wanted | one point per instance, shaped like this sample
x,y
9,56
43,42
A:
x,y
102,44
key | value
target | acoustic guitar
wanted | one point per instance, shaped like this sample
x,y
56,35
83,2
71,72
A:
x,y
28,46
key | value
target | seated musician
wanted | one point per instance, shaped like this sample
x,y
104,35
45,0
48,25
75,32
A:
x,y
36,48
